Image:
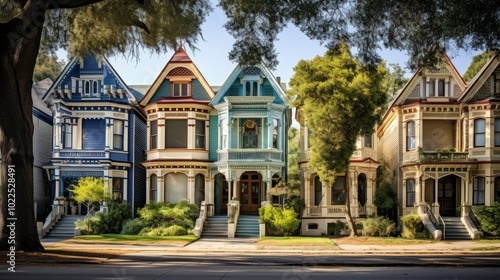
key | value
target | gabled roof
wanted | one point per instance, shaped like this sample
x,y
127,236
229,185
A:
x,y
480,78
105,64
179,59
417,76
236,72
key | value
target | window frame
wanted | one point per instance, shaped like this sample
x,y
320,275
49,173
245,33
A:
x,y
118,135
318,190
410,194
153,138
200,123
441,88
478,194
67,135
251,88
410,137
153,178
120,191
368,136
168,126
338,192
179,85
496,129
479,133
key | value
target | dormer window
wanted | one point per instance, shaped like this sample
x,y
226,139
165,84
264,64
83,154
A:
x,y
251,88
90,88
181,89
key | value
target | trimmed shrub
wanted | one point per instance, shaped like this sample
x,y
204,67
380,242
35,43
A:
x,y
279,220
414,228
337,228
380,226
489,218
156,218
102,223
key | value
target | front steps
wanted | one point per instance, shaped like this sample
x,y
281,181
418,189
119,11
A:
x,y
215,226
248,226
455,229
65,227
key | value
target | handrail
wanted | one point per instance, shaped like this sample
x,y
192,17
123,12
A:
x,y
473,218
201,220
50,220
434,221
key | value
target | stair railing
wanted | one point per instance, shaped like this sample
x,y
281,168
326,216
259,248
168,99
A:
x,y
200,222
51,220
435,222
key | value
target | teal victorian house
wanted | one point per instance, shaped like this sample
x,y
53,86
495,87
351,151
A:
x,y
99,130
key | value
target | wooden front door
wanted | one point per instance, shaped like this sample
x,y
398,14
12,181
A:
x,y
447,196
249,193
221,194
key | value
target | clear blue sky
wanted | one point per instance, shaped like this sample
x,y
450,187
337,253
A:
x,y
213,62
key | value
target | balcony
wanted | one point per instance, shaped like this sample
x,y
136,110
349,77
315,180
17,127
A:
x,y
443,157
250,155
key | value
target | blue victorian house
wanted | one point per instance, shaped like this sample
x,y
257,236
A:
x,y
99,130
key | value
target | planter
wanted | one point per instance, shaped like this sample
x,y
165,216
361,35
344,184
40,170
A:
x,y
74,209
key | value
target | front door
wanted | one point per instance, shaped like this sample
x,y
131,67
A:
x,y
447,196
221,194
249,193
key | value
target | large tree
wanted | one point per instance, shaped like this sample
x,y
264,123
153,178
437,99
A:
x,y
82,26
47,65
478,61
341,99
421,28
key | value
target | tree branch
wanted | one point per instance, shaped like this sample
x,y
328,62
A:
x,y
68,4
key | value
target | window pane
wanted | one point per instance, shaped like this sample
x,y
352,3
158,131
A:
x,y
479,140
411,128
176,134
184,90
254,89
200,134
154,133
118,127
478,193
368,141
95,87
176,89
431,87
247,88
317,190
338,191
200,189
117,190
441,88
479,125
152,187
410,192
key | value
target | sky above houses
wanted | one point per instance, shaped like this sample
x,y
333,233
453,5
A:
x,y
213,62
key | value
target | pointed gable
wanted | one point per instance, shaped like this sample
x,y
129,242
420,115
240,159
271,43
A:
x,y
440,84
486,83
90,79
179,71
254,80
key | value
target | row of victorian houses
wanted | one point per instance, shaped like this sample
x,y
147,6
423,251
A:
x,y
180,138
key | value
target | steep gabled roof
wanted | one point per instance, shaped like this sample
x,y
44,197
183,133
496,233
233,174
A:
x,y
179,59
415,79
236,73
75,62
480,78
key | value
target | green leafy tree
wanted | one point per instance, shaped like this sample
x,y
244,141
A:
x,y
395,80
47,66
478,61
420,28
100,26
89,191
341,99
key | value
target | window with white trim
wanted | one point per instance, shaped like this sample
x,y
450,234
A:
x,y
118,135
180,89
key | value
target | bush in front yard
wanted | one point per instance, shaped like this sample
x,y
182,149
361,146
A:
x,y
489,218
160,218
102,223
380,226
279,220
414,228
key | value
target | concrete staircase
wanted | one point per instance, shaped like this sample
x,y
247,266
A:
x,y
248,226
455,229
215,226
65,227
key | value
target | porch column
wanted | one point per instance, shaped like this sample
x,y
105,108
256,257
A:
x,y
190,189
307,194
268,186
435,205
235,189
58,183
160,189
230,190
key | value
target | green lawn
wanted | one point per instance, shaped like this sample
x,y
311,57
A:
x,y
488,248
488,240
134,239
363,240
294,241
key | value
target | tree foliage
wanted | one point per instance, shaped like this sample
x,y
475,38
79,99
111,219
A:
x,y
89,191
420,28
341,99
47,66
478,61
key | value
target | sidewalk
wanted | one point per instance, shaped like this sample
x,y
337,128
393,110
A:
x,y
249,245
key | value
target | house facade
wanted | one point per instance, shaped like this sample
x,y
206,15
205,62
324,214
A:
x,y
99,131
441,140
207,146
324,205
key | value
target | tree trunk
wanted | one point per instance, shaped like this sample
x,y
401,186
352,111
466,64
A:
x,y
19,44
348,216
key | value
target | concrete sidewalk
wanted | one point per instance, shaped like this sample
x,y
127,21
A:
x,y
249,245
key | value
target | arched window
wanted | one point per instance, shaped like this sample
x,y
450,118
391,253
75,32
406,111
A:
x,y
362,189
441,88
338,191
152,187
94,88
479,132
87,87
410,135
318,190
199,185
250,133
